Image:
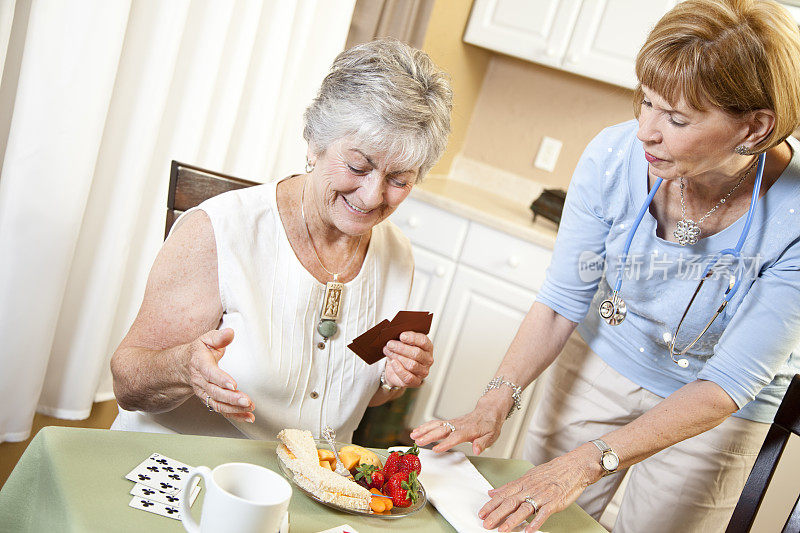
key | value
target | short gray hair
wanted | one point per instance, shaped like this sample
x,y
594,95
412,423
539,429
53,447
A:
x,y
390,97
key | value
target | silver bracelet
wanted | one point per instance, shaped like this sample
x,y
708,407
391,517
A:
x,y
385,386
516,392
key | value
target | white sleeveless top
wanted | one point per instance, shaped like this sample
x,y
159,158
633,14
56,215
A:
x,y
273,304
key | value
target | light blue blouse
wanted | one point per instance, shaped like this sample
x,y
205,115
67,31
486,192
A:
x,y
753,348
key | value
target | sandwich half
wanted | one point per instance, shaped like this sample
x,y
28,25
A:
x,y
299,454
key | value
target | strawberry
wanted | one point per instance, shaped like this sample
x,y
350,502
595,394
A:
x,y
365,473
391,464
403,488
409,461
377,480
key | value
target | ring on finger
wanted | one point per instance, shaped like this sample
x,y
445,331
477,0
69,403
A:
x,y
530,500
208,406
449,425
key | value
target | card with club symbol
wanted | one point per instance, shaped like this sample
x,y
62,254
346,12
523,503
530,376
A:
x,y
143,504
143,491
158,481
161,473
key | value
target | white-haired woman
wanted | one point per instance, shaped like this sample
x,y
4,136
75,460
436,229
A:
x,y
254,297
708,168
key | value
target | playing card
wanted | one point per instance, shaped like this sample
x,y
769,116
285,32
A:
x,y
160,472
361,344
158,508
420,321
369,345
143,491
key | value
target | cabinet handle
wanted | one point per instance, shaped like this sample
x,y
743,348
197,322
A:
x,y
513,261
440,271
413,222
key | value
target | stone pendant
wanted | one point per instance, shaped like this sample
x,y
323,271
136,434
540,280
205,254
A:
x,y
331,305
687,232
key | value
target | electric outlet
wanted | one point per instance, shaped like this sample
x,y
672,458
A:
x,y
548,154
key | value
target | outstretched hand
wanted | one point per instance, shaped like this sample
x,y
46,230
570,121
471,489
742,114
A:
x,y
552,487
215,387
481,427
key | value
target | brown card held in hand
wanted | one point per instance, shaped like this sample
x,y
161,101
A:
x,y
369,345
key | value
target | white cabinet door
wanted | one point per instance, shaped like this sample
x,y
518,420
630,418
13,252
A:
x,y
432,277
537,30
608,35
478,323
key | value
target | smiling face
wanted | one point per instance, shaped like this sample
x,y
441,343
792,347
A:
x,y
355,188
682,141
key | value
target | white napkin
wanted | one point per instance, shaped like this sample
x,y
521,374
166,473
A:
x,y
455,488
340,529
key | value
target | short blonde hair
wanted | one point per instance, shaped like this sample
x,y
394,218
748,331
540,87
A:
x,y
738,55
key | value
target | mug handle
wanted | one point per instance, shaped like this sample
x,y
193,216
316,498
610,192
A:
x,y
186,517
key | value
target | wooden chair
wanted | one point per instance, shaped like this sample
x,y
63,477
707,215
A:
x,y
787,421
189,186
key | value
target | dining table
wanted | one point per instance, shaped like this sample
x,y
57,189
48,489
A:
x,y
72,479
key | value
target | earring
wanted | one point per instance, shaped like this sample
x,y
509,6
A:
x,y
309,166
743,150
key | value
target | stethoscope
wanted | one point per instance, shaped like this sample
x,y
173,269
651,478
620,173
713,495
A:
x,y
613,310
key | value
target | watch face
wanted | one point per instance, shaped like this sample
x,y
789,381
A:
x,y
610,461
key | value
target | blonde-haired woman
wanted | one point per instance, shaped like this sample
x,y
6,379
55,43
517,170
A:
x,y
682,377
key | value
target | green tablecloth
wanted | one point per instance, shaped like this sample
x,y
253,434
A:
x,y
72,479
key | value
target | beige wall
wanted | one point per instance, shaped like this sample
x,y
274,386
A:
x,y
465,63
503,106
522,102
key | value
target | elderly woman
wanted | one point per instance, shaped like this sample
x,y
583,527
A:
x,y
709,166
255,295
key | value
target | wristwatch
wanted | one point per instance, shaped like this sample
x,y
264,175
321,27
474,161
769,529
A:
x,y
609,461
385,386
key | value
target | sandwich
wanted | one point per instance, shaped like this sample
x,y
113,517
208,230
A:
x,y
298,453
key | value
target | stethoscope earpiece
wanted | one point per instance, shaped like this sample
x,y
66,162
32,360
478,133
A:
x,y
683,363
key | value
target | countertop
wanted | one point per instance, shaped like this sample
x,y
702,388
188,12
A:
x,y
483,206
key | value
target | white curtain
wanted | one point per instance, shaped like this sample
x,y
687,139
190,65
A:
x,y
97,96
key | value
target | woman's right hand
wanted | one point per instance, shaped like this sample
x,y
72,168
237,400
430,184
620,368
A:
x,y
210,383
481,427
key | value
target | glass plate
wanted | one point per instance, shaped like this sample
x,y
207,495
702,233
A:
x,y
396,512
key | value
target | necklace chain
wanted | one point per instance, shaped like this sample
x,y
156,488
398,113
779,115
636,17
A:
x,y
314,248
722,201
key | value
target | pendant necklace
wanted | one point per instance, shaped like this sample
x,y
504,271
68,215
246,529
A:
x,y
687,231
331,302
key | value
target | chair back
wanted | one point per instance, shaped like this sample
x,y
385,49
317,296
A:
x,y
189,186
787,421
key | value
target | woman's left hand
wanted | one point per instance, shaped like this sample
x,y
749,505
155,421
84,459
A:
x,y
408,360
553,486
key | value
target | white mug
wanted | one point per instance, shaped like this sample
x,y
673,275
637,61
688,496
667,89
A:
x,y
239,497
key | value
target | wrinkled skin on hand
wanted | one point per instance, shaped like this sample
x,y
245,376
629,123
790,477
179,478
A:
x,y
210,382
409,359
554,486
481,427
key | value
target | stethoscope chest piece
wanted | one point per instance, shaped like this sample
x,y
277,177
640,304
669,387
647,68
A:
x,y
613,310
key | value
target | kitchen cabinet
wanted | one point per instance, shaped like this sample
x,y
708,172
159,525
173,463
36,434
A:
x,y
536,30
433,275
594,38
479,283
